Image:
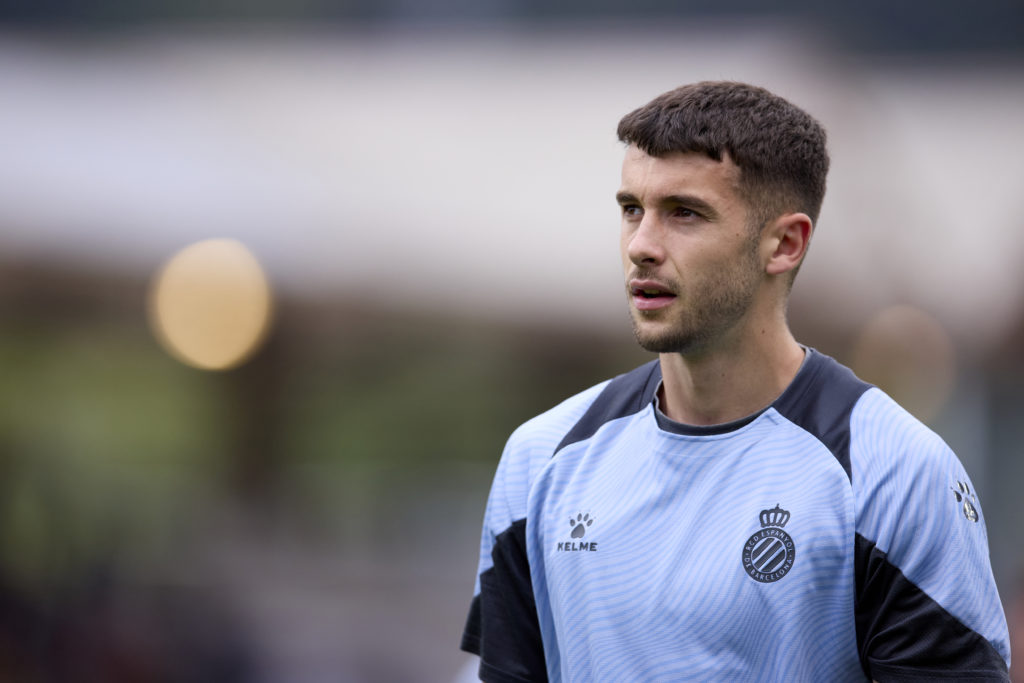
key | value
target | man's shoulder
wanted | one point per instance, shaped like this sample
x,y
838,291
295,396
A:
x,y
905,475
828,386
547,432
823,385
531,447
885,431
820,400
857,420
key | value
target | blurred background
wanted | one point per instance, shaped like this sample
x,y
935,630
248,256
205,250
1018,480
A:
x,y
396,220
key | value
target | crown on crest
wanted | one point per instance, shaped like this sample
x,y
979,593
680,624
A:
x,y
776,517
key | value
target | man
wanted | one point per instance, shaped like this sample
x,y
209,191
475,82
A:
x,y
743,508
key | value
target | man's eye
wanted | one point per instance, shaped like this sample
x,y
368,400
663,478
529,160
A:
x,y
631,210
683,212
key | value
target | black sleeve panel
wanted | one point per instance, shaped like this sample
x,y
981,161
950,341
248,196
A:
x,y
471,633
904,635
502,626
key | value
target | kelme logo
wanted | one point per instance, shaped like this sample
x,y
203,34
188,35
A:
x,y
578,526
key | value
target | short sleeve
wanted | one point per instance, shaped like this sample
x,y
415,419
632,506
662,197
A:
x,y
926,603
502,625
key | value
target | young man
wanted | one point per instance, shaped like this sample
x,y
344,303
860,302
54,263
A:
x,y
743,508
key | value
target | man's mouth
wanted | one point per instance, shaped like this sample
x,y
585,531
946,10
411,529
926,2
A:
x,y
649,295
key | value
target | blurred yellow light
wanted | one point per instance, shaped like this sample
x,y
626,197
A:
x,y
908,354
210,304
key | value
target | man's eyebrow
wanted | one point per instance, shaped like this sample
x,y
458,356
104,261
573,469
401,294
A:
x,y
694,203
626,198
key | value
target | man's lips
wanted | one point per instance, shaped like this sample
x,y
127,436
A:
x,y
650,295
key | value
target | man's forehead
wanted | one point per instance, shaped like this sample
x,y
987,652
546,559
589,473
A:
x,y
677,168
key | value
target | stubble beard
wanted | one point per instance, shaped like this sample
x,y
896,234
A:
x,y
714,306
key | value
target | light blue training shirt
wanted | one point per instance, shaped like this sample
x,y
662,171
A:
x,y
830,537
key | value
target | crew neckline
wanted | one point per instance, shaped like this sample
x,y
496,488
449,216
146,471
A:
x,y
669,425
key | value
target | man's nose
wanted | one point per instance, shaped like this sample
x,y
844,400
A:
x,y
644,245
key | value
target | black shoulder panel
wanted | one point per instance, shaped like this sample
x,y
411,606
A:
x,y
820,400
502,626
904,635
625,395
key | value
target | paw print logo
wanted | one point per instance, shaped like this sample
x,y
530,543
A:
x,y
963,495
579,524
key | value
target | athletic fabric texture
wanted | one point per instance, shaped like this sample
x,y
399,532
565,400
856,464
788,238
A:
x,y
830,537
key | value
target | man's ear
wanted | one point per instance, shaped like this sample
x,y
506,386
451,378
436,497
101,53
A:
x,y
786,241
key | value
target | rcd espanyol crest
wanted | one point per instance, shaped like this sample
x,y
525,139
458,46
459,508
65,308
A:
x,y
768,555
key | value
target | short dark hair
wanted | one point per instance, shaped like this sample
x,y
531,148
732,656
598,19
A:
x,y
778,147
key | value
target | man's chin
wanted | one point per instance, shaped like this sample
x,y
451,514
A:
x,y
663,341
664,338
658,345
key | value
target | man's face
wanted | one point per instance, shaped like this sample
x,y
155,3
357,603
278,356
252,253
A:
x,y
689,253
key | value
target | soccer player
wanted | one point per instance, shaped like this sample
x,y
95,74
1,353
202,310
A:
x,y
743,508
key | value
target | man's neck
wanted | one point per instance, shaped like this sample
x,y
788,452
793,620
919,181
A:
x,y
727,384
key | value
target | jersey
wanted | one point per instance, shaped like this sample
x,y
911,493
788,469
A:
x,y
830,537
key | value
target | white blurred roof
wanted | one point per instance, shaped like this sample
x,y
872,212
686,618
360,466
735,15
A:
x,y
475,171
